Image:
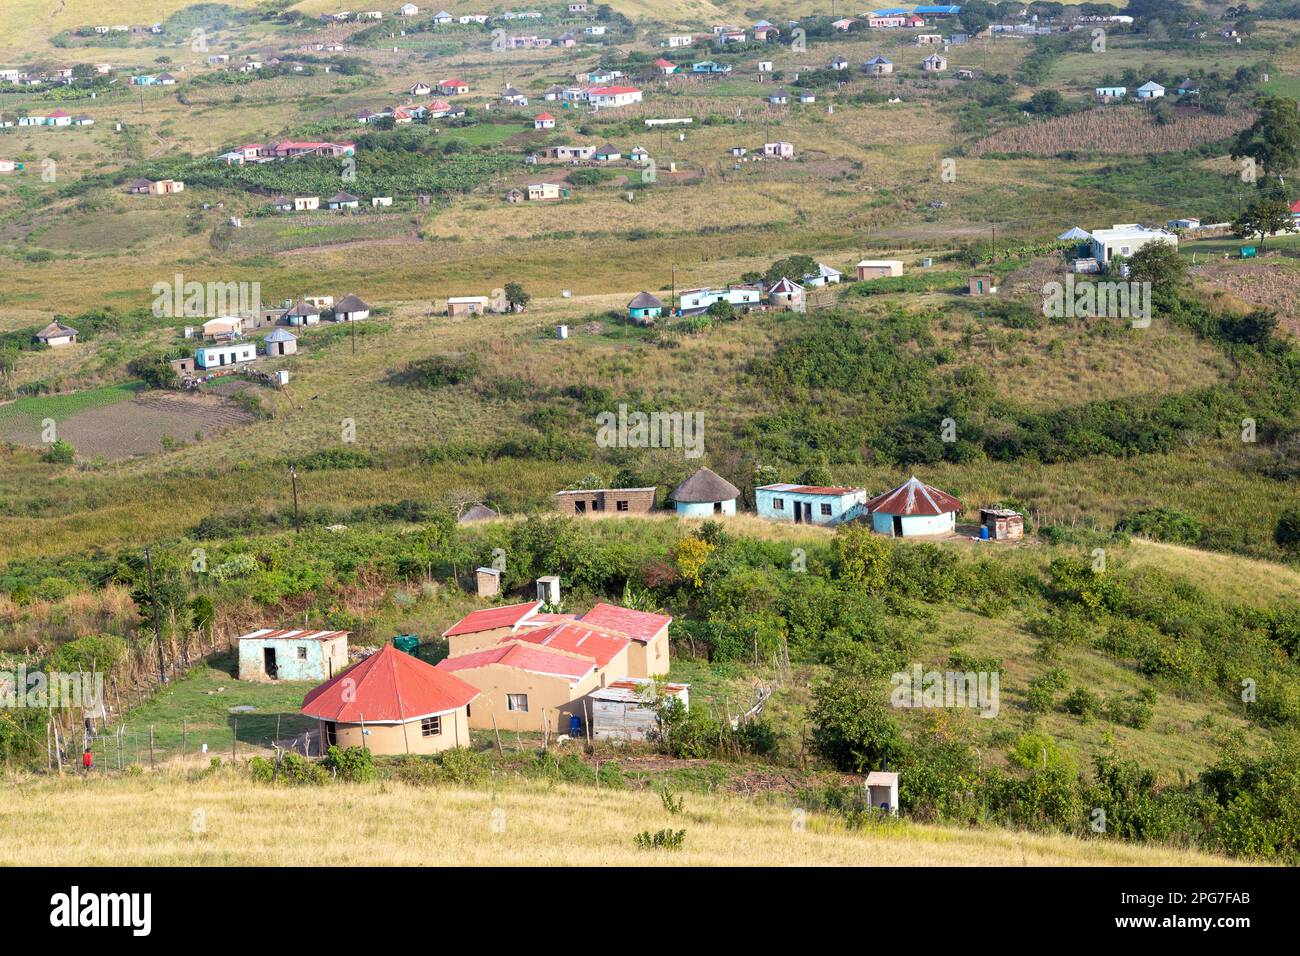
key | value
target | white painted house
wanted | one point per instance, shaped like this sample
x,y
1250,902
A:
x,y
1150,90
230,353
1124,239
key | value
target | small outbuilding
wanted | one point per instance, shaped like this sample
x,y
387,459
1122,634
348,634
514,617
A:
x,y
982,284
56,335
644,308
914,508
628,709
703,494
392,703
785,294
1003,524
350,309
280,342
270,653
882,791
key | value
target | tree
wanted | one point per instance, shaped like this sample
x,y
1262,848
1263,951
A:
x,y
1262,218
818,475
1273,140
1287,533
722,309
1047,103
853,727
863,556
516,296
1159,264
792,267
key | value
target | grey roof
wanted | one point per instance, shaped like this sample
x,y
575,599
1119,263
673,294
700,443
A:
x,y
55,330
1074,232
478,512
705,486
280,335
350,303
644,300
609,148
303,308
343,197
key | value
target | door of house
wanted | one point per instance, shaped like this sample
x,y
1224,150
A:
x,y
898,526
580,507
268,662
798,512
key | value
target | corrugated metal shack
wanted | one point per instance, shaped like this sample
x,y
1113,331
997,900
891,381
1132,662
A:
x,y
625,709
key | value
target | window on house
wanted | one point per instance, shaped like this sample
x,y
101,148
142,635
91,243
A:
x,y
517,702
302,653
621,506
826,509
431,727
778,504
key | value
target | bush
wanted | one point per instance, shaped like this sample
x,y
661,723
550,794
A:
x,y
439,371
353,765
1163,524
59,453
459,765
1082,703
1287,533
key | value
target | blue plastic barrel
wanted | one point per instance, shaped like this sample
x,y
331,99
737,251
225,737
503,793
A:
x,y
984,532
575,725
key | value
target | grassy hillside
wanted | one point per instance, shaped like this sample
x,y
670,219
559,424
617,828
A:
x,y
186,819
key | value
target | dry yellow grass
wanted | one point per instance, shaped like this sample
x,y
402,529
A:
x,y
163,819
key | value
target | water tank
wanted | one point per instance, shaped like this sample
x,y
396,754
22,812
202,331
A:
x,y
984,532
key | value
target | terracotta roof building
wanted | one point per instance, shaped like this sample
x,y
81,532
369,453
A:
x,y
914,508
392,703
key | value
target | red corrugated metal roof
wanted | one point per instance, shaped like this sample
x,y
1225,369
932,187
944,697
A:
x,y
641,626
388,687
488,619
291,633
536,660
914,497
600,645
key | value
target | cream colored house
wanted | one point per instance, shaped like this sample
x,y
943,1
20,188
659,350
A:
x,y
392,703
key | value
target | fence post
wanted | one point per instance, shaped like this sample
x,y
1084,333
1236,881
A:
x,y
234,739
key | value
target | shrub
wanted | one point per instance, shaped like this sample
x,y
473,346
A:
x,y
1163,524
661,839
59,453
1082,703
353,765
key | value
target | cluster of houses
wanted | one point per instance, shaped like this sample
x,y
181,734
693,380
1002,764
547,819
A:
x,y
226,338
61,75
913,509
285,149
54,118
517,667
1150,90
786,293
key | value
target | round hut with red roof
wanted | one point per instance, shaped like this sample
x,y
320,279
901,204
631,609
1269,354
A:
x,y
914,509
392,703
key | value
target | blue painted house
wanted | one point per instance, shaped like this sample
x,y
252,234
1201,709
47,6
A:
x,y
809,504
270,654
644,308
704,495
219,356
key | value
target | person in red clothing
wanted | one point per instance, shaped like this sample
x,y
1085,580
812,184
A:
x,y
87,759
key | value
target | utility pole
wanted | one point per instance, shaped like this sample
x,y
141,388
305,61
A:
x,y
994,257
293,478
157,629
673,309
353,322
